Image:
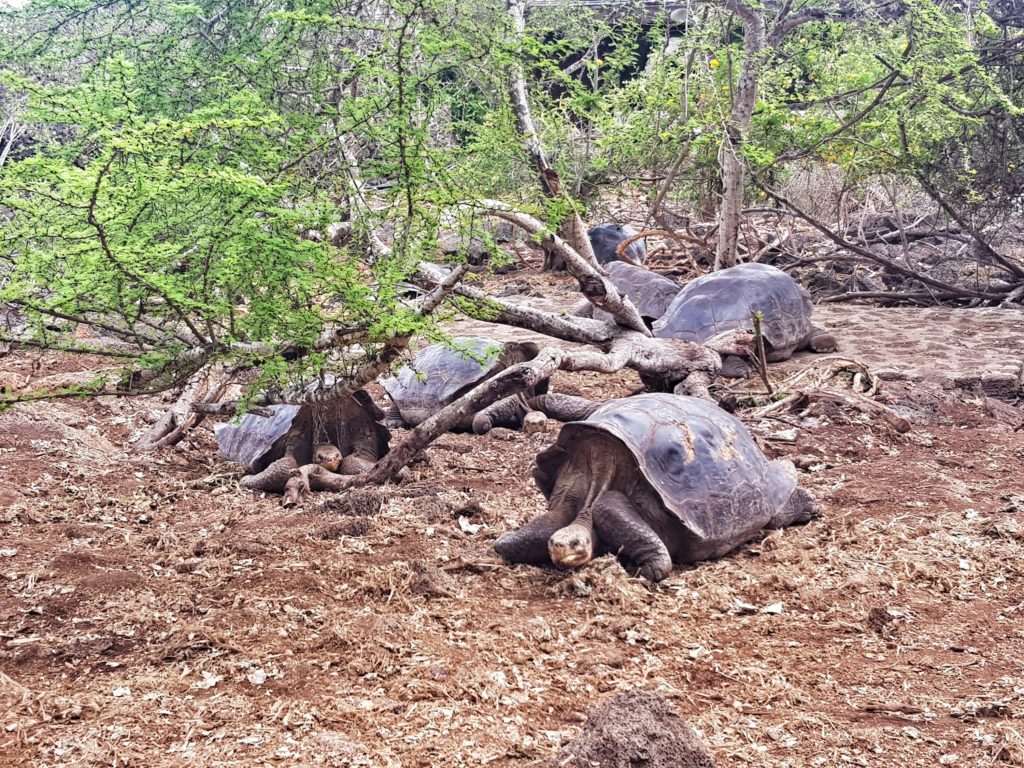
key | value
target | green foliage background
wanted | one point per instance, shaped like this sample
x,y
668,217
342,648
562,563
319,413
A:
x,y
189,158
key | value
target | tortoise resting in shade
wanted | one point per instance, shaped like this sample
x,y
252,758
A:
x,y
440,374
605,239
328,440
657,479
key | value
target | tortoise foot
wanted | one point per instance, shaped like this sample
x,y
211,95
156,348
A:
x,y
623,530
822,341
273,479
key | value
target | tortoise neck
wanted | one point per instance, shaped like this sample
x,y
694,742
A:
x,y
585,517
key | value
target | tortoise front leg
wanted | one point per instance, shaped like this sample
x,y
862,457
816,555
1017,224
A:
x,y
734,367
621,527
354,464
530,543
564,407
510,411
272,479
695,385
507,412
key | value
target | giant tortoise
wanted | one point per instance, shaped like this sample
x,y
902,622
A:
x,y
728,299
342,435
605,239
650,292
440,374
657,479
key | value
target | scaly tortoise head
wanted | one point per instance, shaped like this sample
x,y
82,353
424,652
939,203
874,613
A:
x,y
327,456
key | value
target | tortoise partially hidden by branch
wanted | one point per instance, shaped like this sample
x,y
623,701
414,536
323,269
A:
x,y
442,373
658,479
605,239
325,442
650,292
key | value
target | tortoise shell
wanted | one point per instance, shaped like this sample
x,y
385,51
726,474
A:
x,y
702,463
255,441
650,292
727,300
441,373
605,239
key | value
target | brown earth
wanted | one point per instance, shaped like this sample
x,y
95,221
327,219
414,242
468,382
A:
x,y
155,614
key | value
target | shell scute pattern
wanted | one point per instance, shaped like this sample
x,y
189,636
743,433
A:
x,y
438,374
727,300
706,468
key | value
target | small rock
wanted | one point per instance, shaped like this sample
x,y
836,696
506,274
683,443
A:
x,y
209,680
469,527
430,581
743,609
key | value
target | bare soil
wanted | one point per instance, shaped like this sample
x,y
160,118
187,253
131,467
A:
x,y
155,614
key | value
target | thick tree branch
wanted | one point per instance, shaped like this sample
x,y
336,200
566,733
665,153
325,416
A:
x,y
596,287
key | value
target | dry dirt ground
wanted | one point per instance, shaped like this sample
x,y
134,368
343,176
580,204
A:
x,y
155,614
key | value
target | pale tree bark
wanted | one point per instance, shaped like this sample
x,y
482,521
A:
x,y
174,424
733,168
572,229
759,38
593,280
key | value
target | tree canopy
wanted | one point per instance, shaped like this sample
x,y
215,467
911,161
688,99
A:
x,y
258,184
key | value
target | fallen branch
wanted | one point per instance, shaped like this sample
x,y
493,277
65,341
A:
x,y
809,386
180,417
594,284
661,359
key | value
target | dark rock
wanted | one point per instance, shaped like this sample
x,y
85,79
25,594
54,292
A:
x,y
634,728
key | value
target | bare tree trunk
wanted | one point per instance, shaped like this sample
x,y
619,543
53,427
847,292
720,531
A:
x,y
180,417
572,229
730,156
733,182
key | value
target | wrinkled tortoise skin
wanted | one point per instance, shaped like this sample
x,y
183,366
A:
x,y
702,463
440,374
605,239
350,424
727,300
